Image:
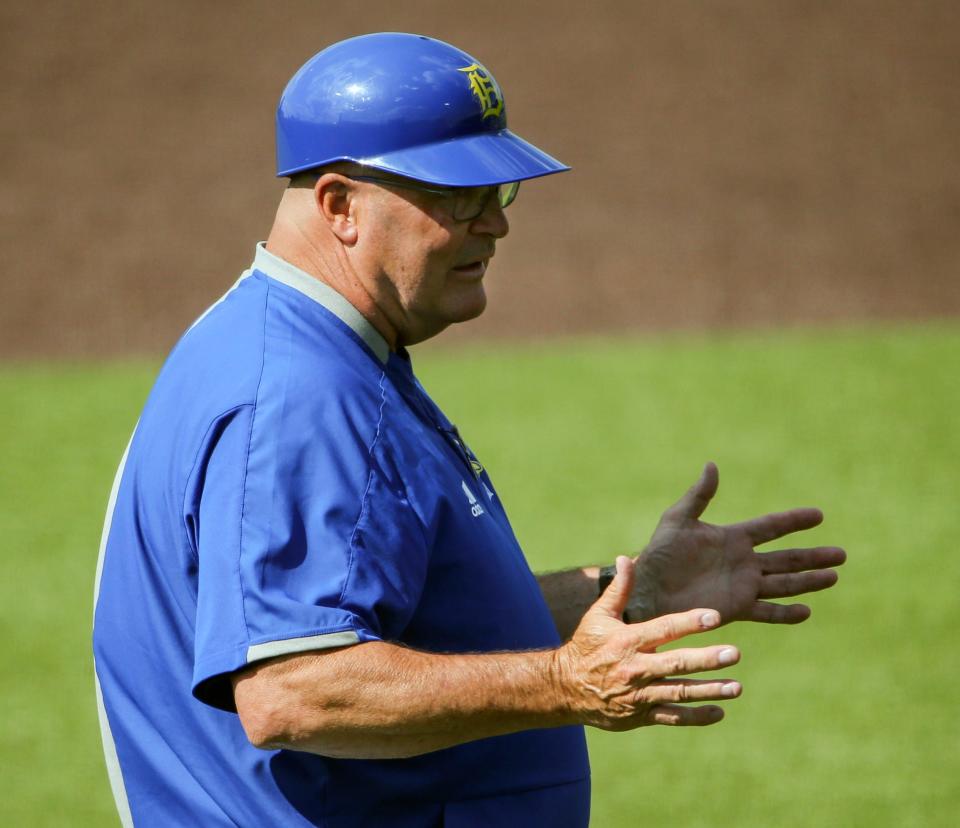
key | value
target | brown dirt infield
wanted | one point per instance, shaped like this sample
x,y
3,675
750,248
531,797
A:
x,y
741,163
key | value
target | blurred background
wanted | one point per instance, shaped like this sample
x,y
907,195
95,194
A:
x,y
754,260
751,162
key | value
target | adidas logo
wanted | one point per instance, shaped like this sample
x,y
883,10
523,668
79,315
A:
x,y
475,508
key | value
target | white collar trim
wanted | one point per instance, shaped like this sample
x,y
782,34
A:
x,y
292,276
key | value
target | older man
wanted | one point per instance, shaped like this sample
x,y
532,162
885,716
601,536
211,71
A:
x,y
311,607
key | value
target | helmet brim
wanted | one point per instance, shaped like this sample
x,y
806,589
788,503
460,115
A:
x,y
469,161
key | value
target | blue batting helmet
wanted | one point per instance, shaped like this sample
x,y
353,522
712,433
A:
x,y
406,104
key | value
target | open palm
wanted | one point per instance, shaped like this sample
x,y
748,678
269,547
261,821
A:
x,y
690,563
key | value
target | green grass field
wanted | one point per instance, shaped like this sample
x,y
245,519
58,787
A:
x,y
848,720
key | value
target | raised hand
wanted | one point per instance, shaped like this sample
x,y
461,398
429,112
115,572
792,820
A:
x,y
615,679
689,563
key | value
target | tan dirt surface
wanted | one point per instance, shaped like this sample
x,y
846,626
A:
x,y
740,163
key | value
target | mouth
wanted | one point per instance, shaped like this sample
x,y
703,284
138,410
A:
x,y
473,269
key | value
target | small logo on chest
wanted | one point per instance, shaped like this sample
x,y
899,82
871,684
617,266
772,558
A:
x,y
475,508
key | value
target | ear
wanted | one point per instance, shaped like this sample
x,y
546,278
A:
x,y
334,197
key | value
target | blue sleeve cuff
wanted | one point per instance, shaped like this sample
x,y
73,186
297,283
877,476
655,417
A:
x,y
212,674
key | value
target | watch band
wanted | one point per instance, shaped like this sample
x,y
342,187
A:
x,y
607,574
604,579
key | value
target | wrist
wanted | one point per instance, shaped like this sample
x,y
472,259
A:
x,y
642,605
637,605
563,683
605,577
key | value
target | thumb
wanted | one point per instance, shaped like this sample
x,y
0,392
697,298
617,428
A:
x,y
615,597
696,499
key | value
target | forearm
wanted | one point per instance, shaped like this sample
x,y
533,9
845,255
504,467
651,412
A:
x,y
379,700
570,593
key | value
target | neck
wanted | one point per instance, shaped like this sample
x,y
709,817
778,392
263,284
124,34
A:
x,y
329,263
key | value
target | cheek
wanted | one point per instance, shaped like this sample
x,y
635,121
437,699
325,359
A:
x,y
433,258
420,271
418,251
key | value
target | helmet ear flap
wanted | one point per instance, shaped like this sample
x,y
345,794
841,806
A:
x,y
405,104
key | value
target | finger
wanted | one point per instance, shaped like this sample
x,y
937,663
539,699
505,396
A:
x,y
613,601
796,583
683,661
679,716
667,628
776,525
690,690
698,496
768,613
797,560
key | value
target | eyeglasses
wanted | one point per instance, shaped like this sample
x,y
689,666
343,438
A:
x,y
466,203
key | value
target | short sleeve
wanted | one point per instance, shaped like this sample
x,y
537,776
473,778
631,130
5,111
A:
x,y
305,537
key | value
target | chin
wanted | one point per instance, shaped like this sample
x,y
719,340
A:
x,y
471,309
430,326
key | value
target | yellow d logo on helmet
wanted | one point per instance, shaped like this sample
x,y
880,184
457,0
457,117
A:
x,y
486,89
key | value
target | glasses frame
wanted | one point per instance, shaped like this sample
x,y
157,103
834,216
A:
x,y
506,193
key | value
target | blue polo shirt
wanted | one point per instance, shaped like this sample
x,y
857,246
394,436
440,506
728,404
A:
x,y
291,487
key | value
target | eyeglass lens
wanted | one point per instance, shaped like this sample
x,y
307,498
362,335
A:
x,y
470,202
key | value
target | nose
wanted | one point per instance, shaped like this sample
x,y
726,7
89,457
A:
x,y
492,221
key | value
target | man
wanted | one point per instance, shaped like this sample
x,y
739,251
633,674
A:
x,y
311,608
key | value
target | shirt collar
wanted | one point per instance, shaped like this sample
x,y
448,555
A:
x,y
292,276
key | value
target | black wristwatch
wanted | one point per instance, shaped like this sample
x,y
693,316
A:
x,y
607,574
